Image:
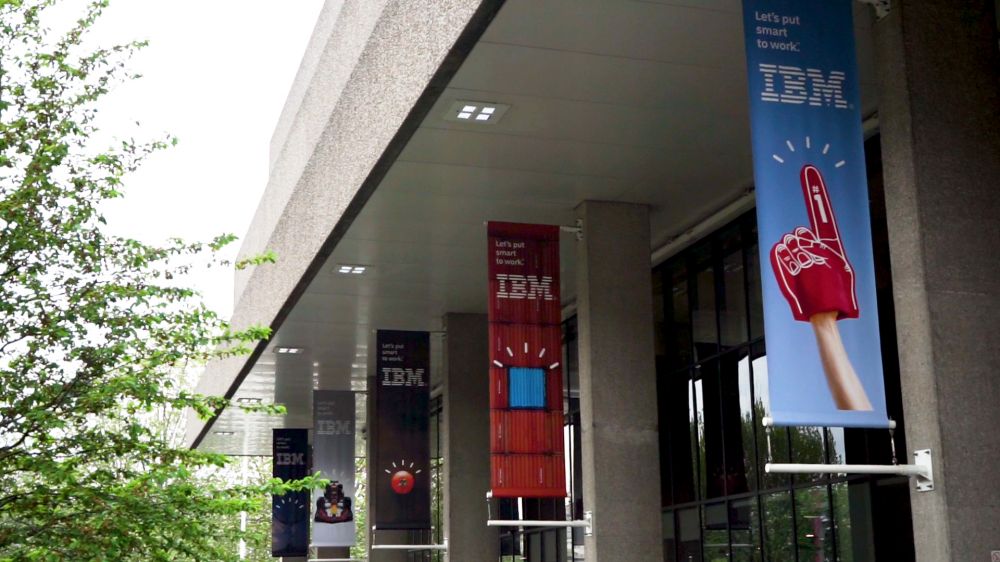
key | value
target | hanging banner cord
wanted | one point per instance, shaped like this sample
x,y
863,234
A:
x,y
587,523
921,469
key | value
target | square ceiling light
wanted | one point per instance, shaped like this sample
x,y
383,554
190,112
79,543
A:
x,y
481,112
352,269
289,350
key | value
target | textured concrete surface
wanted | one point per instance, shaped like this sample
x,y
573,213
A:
x,y
940,124
465,436
369,63
621,463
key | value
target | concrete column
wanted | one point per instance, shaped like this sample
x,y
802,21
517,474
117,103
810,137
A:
x,y
940,123
621,463
383,537
465,438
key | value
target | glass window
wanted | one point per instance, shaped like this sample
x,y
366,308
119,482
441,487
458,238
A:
x,y
716,532
689,535
703,314
733,308
842,522
749,419
808,448
744,523
669,537
679,347
814,526
778,528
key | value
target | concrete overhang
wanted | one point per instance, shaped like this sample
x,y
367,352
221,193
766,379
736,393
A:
x,y
624,100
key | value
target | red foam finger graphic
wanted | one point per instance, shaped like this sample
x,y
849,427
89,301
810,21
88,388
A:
x,y
785,269
821,217
809,264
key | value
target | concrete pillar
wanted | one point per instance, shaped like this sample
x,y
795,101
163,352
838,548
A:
x,y
621,463
383,537
465,438
940,123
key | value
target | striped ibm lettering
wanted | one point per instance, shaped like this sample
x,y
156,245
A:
x,y
797,86
524,287
399,376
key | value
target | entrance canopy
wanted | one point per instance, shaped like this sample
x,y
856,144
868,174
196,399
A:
x,y
380,188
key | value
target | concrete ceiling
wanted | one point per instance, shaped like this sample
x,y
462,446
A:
x,y
638,101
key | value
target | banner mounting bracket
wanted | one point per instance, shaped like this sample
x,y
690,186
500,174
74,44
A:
x,y
587,523
577,229
922,469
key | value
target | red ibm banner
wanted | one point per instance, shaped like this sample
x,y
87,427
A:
x,y
526,399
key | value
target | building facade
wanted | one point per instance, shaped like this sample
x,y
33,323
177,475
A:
x,y
628,120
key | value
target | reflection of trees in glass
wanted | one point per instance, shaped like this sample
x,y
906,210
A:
x,y
842,517
802,444
437,507
360,548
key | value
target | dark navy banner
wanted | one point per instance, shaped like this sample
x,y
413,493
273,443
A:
x,y
824,363
290,512
402,484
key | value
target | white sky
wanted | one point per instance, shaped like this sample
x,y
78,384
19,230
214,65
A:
x,y
216,75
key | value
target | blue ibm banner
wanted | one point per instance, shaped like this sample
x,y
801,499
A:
x,y
820,314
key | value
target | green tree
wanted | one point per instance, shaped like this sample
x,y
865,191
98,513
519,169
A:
x,y
95,328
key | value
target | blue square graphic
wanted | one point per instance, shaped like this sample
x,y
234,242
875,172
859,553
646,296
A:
x,y
527,388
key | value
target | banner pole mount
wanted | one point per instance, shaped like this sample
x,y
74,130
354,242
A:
x,y
577,229
922,468
587,523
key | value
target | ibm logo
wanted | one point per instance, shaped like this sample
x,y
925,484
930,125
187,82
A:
x,y
289,459
524,287
398,376
334,427
796,86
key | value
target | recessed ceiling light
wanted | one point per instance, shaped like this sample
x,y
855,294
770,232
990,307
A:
x,y
351,269
289,350
249,400
225,433
482,112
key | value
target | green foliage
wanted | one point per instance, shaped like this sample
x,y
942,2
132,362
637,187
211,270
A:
x,y
360,548
96,329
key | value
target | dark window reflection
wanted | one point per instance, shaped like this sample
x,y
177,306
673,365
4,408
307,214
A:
x,y
688,535
814,526
779,545
716,532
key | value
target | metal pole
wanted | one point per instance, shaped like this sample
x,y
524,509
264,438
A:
x,y
409,547
530,523
901,469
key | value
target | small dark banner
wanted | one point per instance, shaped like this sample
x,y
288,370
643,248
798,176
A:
x,y
290,512
402,446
